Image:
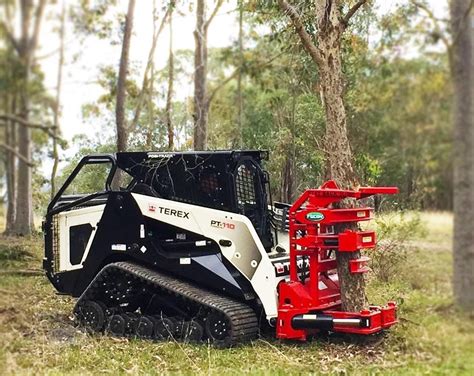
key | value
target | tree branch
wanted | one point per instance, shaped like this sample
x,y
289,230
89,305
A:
x,y
426,9
36,29
235,73
53,52
432,17
49,129
304,36
25,123
213,14
14,151
10,37
351,12
149,64
222,84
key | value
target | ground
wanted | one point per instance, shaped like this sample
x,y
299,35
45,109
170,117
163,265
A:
x,y
37,334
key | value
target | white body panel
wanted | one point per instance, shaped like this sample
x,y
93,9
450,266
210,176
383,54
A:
x,y
238,229
68,219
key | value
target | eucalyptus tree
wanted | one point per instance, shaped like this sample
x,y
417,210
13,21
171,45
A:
x,y
462,63
202,99
325,49
25,45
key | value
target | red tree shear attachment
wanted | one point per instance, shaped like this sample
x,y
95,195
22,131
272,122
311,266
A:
x,y
310,301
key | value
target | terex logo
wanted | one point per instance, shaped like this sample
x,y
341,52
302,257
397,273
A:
x,y
220,224
168,211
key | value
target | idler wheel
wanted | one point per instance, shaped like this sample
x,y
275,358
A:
x,y
218,329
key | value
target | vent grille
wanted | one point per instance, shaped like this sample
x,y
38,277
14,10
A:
x,y
245,186
249,195
55,243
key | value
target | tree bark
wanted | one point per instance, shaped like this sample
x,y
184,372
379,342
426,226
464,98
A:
x,y
289,170
169,95
240,99
288,180
24,206
23,217
462,71
57,103
26,47
122,130
339,156
151,65
10,139
326,54
201,109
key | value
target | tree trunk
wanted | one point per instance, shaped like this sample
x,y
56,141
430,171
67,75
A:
x,y
326,54
240,100
24,199
151,110
288,180
122,130
26,47
339,155
462,70
201,106
169,96
10,167
121,123
151,66
57,103
289,174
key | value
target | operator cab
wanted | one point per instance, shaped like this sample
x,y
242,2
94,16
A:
x,y
231,181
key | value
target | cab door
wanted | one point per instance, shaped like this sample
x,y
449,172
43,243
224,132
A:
x,y
77,229
74,213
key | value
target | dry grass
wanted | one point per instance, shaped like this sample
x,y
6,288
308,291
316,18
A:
x,y
37,334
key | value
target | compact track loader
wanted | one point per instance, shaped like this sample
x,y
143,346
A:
x,y
192,247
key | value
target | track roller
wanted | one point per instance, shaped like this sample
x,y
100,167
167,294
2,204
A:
x,y
131,323
164,328
149,304
192,331
91,315
117,325
145,327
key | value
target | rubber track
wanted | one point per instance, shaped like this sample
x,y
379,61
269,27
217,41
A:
x,y
244,323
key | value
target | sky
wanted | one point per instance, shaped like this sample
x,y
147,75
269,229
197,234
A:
x,y
84,57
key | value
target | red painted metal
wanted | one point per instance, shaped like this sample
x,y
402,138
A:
x,y
311,230
359,265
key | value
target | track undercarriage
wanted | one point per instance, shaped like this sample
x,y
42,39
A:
x,y
127,299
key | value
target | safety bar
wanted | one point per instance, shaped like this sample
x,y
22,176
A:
x,y
87,160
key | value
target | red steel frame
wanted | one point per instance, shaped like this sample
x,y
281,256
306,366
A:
x,y
311,231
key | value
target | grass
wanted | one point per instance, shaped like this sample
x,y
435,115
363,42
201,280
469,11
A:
x,y
433,337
